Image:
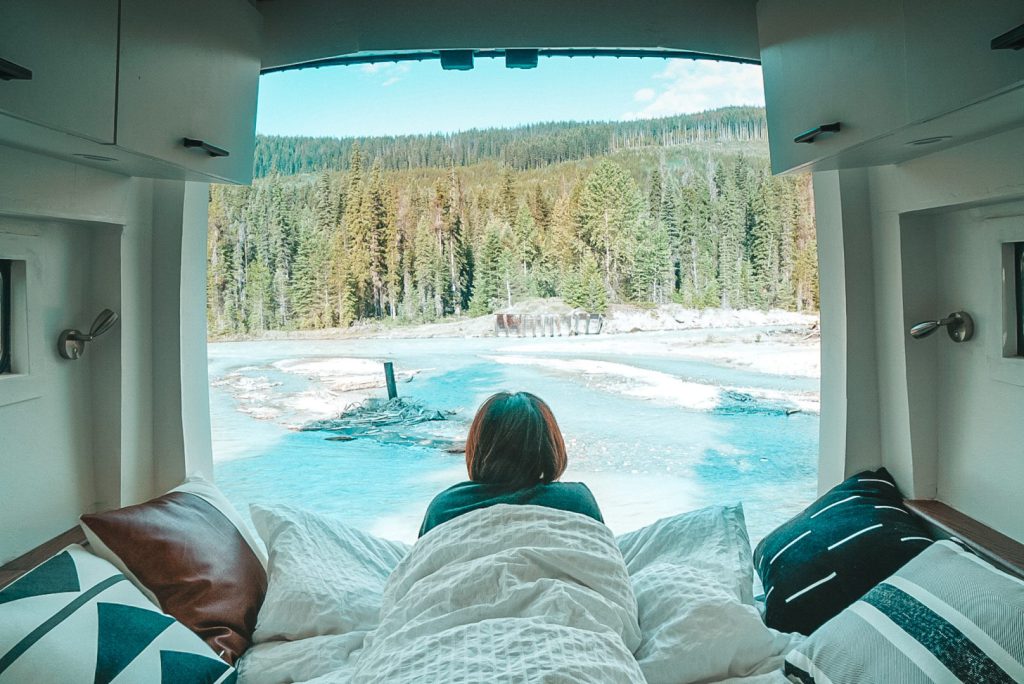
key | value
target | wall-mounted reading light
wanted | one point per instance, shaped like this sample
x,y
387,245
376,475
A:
x,y
71,343
959,325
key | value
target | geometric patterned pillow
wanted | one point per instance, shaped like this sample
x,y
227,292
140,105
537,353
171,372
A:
x,y
946,616
76,619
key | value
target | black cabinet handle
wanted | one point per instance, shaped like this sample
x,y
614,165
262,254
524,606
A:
x,y
809,136
1011,40
211,150
9,71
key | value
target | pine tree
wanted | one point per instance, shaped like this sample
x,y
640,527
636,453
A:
x,y
764,249
507,204
379,219
729,214
650,281
609,213
487,280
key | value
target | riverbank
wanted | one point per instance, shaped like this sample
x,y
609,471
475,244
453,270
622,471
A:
x,y
621,318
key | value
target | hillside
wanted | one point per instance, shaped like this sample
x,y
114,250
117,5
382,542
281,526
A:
x,y
417,228
521,147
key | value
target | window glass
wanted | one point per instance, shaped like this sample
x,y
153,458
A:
x,y
5,316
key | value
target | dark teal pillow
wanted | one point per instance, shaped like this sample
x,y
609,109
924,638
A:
x,y
836,550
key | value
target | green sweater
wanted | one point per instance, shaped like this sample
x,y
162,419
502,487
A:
x,y
469,496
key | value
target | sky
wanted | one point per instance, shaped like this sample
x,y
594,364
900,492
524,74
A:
x,y
420,97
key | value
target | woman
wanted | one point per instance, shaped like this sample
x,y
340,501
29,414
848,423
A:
x,y
514,455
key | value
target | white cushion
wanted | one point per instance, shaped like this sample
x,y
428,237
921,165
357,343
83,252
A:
x,y
692,575
75,618
946,616
324,577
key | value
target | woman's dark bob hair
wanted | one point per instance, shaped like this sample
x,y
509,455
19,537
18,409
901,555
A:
x,y
515,442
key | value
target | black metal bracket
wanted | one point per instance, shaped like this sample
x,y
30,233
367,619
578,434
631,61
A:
x,y
1011,40
211,150
9,71
809,136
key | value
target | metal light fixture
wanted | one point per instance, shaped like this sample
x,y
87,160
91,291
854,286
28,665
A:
x,y
959,325
71,343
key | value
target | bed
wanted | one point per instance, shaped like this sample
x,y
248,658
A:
x,y
547,586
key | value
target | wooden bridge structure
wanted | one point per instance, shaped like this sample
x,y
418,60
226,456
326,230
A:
x,y
548,325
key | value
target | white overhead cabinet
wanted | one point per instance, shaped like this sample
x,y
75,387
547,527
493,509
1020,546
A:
x,y
830,62
950,62
190,69
901,77
59,64
124,85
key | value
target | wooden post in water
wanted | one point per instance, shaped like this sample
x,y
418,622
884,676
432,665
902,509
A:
x,y
389,378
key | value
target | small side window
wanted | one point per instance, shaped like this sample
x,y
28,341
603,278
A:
x,y
1018,274
5,316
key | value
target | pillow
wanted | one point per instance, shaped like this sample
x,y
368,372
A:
x,y
325,577
843,544
692,575
946,616
192,555
75,619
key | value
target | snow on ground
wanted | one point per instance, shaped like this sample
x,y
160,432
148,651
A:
x,y
773,358
677,317
657,386
758,349
336,384
636,382
342,374
621,318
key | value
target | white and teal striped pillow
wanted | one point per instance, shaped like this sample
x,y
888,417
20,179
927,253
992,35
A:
x,y
76,618
946,616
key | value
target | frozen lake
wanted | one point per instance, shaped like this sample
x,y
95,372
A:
x,y
651,428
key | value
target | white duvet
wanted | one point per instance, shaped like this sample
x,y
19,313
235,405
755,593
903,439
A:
x,y
507,593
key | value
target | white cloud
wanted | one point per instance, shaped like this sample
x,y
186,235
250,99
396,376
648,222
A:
x,y
644,95
694,86
391,72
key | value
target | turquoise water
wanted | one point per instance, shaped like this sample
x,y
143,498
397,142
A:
x,y
643,454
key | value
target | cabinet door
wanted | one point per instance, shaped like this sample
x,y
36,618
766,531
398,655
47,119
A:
x,y
70,47
950,63
190,69
828,62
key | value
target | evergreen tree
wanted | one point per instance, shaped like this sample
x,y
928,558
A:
x,y
609,213
483,219
487,280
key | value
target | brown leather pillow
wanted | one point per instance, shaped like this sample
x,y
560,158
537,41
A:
x,y
190,553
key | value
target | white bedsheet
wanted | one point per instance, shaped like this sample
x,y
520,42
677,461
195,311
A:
x,y
520,594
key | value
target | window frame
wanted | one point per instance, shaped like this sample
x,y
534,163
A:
x,y
5,316
1018,275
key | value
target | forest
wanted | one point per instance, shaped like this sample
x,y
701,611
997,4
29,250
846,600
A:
x,y
417,228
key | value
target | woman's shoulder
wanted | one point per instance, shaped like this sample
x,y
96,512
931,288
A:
x,y
580,487
574,490
461,492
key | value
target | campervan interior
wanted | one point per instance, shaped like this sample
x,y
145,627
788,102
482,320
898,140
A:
x,y
116,115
